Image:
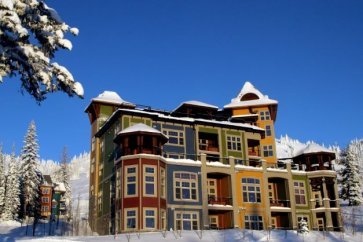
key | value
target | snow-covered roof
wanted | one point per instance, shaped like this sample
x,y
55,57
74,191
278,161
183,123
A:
x,y
192,120
140,127
312,148
197,103
183,162
110,97
59,187
248,88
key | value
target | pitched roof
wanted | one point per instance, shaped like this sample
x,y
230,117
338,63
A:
x,y
198,104
143,128
47,180
249,89
311,149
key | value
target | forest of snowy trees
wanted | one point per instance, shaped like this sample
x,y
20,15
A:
x,y
21,177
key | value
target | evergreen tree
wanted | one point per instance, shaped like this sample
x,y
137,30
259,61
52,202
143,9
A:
x,y
12,191
350,178
303,226
2,182
30,172
30,34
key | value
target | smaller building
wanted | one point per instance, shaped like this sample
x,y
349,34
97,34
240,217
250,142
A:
x,y
46,189
59,203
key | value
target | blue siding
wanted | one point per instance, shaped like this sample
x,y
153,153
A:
x,y
173,149
170,184
190,143
175,127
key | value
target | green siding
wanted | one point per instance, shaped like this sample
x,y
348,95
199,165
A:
x,y
106,198
304,179
208,130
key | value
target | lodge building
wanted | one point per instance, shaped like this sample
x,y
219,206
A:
x,y
201,167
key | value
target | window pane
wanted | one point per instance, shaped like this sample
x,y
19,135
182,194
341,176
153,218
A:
x,y
186,193
149,170
150,223
131,189
150,189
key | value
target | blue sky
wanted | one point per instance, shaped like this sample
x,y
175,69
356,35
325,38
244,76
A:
x,y
308,55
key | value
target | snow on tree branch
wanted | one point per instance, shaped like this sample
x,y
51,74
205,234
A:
x,y
30,34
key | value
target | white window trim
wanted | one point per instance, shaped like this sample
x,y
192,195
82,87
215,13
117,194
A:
x,y
300,188
136,181
236,142
181,134
255,191
181,180
155,218
182,219
162,182
163,216
146,182
126,217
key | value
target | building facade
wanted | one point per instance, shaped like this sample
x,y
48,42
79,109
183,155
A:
x,y
201,167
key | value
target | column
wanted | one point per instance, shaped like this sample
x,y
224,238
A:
x,y
203,175
326,201
234,192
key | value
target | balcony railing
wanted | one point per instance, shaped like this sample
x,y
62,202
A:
x,y
219,200
333,203
280,203
254,151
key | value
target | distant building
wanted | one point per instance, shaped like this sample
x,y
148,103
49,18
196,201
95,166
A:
x,y
201,167
46,196
52,198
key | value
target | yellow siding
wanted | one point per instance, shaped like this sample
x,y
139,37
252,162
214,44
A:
x,y
250,208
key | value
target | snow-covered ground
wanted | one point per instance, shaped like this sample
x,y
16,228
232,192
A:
x,y
10,233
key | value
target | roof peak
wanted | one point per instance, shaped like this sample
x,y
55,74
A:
x,y
250,96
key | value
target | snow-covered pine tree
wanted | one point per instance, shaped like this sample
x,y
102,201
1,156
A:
x,y
12,191
350,178
303,226
30,34
2,182
30,173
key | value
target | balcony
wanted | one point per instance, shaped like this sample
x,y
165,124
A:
x,y
219,200
208,142
253,148
280,203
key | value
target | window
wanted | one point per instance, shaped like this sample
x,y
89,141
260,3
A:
x,y
251,190
186,220
265,115
185,185
174,155
45,200
118,183
100,169
163,219
150,218
299,188
99,202
175,137
234,143
162,183
131,218
45,208
45,191
254,222
93,143
131,181
149,181
268,130
268,151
